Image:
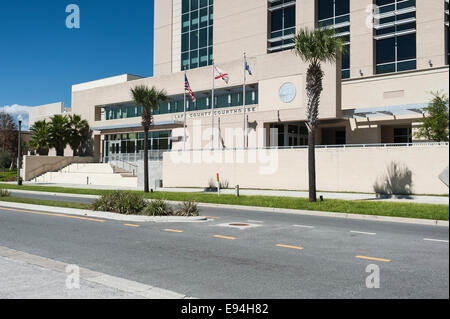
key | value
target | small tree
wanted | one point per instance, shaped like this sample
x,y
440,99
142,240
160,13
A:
x,y
58,133
436,125
78,132
40,140
315,47
150,100
8,134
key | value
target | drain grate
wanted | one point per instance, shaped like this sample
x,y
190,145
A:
x,y
239,225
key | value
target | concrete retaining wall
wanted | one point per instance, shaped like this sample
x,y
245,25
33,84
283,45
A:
x,y
397,169
34,166
154,172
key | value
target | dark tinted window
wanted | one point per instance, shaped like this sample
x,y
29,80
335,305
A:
x,y
406,47
342,7
326,9
277,20
386,50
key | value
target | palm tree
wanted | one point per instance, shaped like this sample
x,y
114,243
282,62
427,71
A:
x,y
150,100
58,133
40,137
79,132
315,47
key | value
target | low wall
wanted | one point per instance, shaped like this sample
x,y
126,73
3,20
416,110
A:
x,y
397,169
154,174
34,166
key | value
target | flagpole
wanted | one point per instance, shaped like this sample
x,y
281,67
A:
x,y
212,107
184,105
244,131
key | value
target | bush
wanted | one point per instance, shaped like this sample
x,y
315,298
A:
x,y
158,208
5,159
4,192
188,209
212,184
125,203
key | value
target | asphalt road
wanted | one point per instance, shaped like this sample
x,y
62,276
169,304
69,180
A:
x,y
277,256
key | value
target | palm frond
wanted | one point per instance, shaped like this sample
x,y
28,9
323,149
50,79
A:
x,y
150,100
319,45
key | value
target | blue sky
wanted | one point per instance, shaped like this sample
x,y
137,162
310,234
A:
x,y
40,58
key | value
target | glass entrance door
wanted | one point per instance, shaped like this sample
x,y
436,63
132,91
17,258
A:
x,y
114,148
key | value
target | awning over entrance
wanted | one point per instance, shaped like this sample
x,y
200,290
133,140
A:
x,y
137,127
386,110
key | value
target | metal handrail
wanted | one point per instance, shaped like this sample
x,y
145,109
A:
x,y
323,146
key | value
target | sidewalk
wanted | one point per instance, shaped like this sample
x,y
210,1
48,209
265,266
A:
x,y
27,276
419,199
20,280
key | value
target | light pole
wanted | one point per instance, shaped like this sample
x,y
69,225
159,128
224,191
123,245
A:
x,y
19,152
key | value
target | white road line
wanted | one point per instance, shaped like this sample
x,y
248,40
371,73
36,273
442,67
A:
x,y
254,221
438,240
362,232
303,226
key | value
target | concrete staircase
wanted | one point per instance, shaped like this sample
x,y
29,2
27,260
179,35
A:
x,y
90,174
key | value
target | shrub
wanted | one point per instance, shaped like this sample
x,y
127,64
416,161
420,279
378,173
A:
x,y
125,203
5,159
212,184
158,208
188,209
4,192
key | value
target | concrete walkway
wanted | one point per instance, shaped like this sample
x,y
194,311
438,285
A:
x,y
27,276
300,194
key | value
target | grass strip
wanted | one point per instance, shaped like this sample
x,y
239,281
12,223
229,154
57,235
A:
x,y
43,202
379,208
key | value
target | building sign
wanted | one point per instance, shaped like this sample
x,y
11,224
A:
x,y
217,112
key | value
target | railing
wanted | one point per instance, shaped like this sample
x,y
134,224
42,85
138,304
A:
x,y
126,157
131,168
344,146
158,155
133,158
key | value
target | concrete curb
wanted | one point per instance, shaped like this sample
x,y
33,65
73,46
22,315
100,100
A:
x,y
105,215
133,287
430,222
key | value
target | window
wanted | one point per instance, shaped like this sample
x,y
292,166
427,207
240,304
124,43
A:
x,y
336,14
196,33
282,135
230,97
340,137
281,25
395,36
403,135
133,143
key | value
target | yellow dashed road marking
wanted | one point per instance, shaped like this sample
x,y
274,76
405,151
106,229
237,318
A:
x,y
292,247
132,225
53,214
224,237
373,258
173,230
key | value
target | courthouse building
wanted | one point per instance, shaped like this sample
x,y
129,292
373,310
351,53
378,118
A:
x,y
375,93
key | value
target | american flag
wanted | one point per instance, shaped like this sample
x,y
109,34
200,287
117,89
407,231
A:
x,y
188,89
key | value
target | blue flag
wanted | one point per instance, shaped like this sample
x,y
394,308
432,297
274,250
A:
x,y
247,67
